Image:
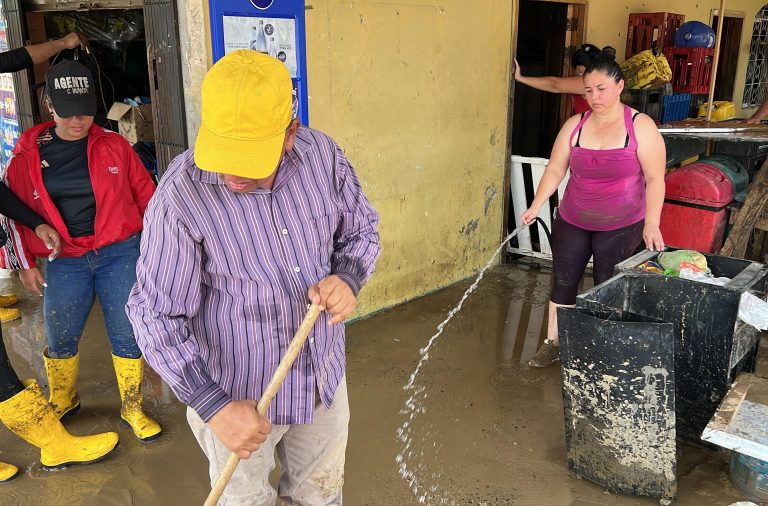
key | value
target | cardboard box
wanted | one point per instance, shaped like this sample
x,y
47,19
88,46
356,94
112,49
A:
x,y
134,122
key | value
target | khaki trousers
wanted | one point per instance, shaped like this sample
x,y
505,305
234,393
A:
x,y
311,459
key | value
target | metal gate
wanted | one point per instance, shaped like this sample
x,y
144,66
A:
x,y
161,26
522,196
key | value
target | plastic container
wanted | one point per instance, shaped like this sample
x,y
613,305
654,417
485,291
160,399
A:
x,y
750,155
712,346
691,69
682,148
694,34
694,214
752,164
647,70
721,111
750,476
599,343
647,30
733,170
675,107
696,100
646,359
645,101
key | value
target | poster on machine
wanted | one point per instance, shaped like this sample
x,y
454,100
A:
x,y
273,36
10,129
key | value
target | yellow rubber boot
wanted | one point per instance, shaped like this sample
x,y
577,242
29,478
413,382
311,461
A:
x,y
62,375
7,472
8,300
129,372
9,314
29,415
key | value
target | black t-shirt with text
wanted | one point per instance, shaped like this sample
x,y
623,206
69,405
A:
x,y
64,165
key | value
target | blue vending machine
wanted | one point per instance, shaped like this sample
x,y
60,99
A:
x,y
274,27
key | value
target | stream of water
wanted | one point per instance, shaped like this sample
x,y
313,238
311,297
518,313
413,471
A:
x,y
410,461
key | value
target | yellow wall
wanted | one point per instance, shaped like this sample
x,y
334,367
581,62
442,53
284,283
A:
x,y
607,25
415,92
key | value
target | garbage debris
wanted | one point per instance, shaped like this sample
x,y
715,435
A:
x,y
112,28
651,266
681,259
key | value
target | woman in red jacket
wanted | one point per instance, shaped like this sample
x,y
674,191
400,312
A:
x,y
92,188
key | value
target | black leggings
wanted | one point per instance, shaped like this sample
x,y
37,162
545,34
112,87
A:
x,y
9,382
572,246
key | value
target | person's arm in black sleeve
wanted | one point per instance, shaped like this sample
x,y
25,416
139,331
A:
x,y
15,209
24,57
16,59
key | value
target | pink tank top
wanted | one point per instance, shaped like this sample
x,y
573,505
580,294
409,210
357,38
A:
x,y
580,104
606,190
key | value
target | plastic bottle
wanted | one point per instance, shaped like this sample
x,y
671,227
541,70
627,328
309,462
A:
x,y
258,39
272,51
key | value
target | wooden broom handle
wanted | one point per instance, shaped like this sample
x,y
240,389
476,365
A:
x,y
266,399
715,60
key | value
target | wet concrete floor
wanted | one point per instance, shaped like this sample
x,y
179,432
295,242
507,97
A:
x,y
491,433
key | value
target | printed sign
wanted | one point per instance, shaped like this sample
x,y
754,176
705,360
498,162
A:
x,y
9,119
10,129
273,36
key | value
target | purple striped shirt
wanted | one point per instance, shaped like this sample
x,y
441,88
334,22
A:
x,y
223,277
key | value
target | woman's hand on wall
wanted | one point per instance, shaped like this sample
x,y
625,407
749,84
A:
x,y
518,71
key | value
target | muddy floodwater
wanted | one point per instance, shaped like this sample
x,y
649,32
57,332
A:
x,y
491,432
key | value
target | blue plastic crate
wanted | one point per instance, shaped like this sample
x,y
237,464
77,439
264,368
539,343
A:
x,y
675,107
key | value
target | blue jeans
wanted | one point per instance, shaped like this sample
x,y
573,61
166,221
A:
x,y
74,283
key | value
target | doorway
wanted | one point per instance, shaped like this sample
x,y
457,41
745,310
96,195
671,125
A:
x,y
540,50
129,40
729,53
548,34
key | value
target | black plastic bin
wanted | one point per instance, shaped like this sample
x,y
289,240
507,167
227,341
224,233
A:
x,y
647,358
712,345
619,398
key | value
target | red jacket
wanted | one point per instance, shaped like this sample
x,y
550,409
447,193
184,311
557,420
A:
x,y
121,185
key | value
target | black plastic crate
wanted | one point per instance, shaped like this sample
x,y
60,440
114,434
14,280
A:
x,y
750,155
741,148
696,100
682,148
646,101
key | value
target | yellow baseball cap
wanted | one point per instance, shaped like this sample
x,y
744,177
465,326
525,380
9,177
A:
x,y
246,110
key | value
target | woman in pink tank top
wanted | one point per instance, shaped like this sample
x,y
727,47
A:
x,y
613,199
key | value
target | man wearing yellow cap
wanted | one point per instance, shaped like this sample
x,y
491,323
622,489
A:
x,y
262,217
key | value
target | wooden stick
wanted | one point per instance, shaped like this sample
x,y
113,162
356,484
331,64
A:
x,y
266,399
715,60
